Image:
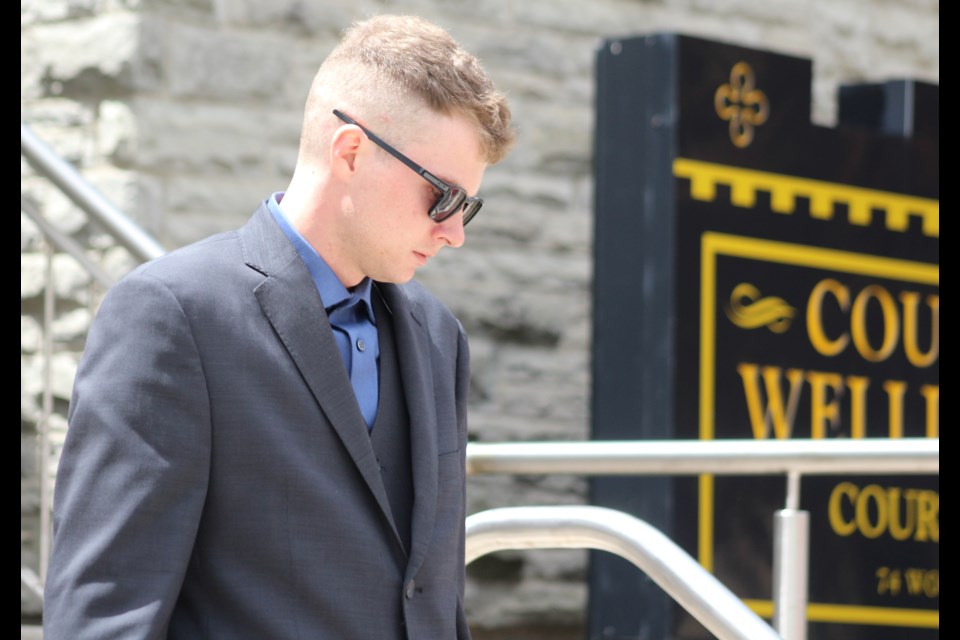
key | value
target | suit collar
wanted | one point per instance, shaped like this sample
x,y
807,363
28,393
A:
x,y
292,305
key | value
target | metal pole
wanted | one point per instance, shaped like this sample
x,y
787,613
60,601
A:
x,y
43,425
791,535
793,490
693,457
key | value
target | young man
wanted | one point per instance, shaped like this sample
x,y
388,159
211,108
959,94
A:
x,y
268,430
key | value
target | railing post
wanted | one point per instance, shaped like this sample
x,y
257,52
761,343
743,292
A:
x,y
43,424
791,535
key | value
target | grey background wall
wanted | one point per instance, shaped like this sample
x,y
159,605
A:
x,y
186,113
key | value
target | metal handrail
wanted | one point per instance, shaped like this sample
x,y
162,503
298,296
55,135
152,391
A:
x,y
585,527
694,457
65,243
730,457
42,158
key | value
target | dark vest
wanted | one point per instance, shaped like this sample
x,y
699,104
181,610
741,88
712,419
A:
x,y
390,435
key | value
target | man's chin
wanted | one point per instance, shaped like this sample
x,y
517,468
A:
x,y
397,278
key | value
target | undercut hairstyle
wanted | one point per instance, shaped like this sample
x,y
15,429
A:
x,y
387,68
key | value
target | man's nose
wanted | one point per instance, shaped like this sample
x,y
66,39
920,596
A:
x,y
451,231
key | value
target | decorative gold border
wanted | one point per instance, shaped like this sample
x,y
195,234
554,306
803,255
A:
x,y
849,614
823,196
716,244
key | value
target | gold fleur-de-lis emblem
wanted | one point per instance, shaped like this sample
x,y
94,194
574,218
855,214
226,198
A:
x,y
742,104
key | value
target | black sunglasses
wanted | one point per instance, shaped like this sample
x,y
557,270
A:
x,y
452,198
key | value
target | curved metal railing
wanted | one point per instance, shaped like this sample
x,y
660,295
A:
x,y
691,457
585,527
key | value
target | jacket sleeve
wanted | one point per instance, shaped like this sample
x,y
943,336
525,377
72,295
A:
x,y
133,472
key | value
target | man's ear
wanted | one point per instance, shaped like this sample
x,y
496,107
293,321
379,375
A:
x,y
344,151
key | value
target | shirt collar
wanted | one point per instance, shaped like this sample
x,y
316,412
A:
x,y
331,290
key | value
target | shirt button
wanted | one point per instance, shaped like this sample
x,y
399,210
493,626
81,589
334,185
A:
x,y
411,587
361,345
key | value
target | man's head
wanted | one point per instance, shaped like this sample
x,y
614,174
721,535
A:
x,y
409,97
389,69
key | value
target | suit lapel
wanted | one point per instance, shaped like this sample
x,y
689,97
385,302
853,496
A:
x,y
290,301
414,351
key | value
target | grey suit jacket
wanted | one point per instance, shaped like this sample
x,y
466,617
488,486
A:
x,y
218,480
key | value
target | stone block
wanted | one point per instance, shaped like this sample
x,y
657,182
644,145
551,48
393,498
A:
x,y
116,132
70,279
73,325
32,269
223,65
304,19
31,237
31,335
88,58
199,138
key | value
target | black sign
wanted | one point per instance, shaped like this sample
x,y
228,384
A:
x,y
758,276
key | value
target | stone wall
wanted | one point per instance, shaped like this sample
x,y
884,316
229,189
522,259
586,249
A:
x,y
186,113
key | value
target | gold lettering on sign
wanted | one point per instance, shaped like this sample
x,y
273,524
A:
x,y
874,511
912,581
837,402
829,296
741,104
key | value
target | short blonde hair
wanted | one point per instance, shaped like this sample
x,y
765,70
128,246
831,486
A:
x,y
388,67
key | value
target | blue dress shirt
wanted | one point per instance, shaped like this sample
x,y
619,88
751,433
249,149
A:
x,y
351,317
